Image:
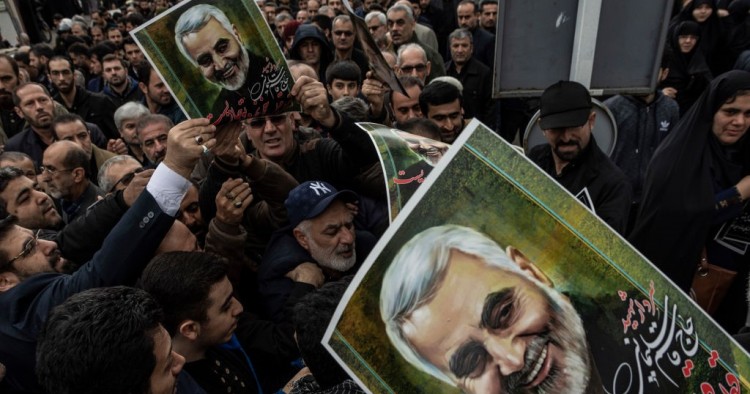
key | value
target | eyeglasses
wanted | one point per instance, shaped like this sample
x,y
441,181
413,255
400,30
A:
x,y
418,67
259,122
125,180
52,171
28,247
344,33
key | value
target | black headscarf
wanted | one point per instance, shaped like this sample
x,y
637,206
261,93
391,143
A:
x,y
713,34
678,201
688,72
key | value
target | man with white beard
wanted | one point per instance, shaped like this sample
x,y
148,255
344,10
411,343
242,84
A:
x,y
320,244
205,37
509,331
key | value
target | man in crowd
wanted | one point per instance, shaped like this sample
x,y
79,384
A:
x,y
488,15
39,56
401,26
92,107
115,35
126,119
10,122
483,41
20,196
65,177
120,87
117,172
141,228
156,95
343,43
412,60
321,231
70,127
441,103
151,131
403,107
573,158
21,161
377,24
34,104
473,75
205,322
78,335
311,47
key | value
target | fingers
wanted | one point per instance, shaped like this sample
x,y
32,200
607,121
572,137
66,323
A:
x,y
303,81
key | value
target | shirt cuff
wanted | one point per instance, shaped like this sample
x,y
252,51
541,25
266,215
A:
x,y
168,188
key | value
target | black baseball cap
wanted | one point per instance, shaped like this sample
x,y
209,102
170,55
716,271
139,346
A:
x,y
564,104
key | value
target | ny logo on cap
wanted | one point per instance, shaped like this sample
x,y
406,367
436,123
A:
x,y
318,187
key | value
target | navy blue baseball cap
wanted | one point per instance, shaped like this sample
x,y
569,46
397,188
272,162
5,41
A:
x,y
311,198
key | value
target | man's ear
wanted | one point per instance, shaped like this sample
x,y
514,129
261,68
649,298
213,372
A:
x,y
8,280
236,34
19,112
301,239
189,329
79,174
527,266
143,87
429,67
592,119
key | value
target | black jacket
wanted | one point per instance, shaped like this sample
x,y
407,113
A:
x,y
96,108
476,79
607,186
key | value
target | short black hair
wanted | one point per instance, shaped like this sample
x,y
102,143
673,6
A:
x,y
69,117
345,70
144,70
438,93
17,100
103,49
135,19
7,174
7,223
99,341
181,282
42,50
420,126
12,62
322,21
311,317
64,58
78,49
407,81
474,4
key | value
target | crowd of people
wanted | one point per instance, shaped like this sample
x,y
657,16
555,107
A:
x,y
143,252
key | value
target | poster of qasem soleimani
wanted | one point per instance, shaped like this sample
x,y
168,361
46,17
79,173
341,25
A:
x,y
219,59
493,279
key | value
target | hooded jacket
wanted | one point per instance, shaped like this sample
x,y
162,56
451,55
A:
x,y
326,54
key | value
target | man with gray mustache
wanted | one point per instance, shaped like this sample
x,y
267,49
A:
x,y
459,307
205,37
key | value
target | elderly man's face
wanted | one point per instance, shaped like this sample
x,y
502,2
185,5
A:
x,y
58,180
128,132
504,334
32,207
119,173
330,240
461,50
449,117
76,132
414,64
219,54
400,26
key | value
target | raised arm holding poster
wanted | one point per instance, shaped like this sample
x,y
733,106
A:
x,y
219,59
493,278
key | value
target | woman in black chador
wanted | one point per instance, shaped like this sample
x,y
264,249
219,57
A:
x,y
697,181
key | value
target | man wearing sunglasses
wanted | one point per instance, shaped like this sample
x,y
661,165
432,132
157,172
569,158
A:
x,y
412,60
26,261
343,42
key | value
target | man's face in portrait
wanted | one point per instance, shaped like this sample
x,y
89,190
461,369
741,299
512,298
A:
x,y
505,333
219,54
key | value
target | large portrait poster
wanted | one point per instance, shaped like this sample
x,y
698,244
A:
x,y
494,279
219,59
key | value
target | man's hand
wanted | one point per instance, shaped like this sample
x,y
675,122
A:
x,y
670,92
307,273
227,141
313,98
117,146
136,186
233,191
301,374
186,143
374,91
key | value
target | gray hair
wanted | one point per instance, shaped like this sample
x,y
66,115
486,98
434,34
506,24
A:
x,y
410,46
105,182
193,20
355,107
416,273
460,34
402,7
129,110
283,16
376,14
342,17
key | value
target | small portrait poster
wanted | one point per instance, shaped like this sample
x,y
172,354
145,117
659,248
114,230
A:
x,y
219,58
494,279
